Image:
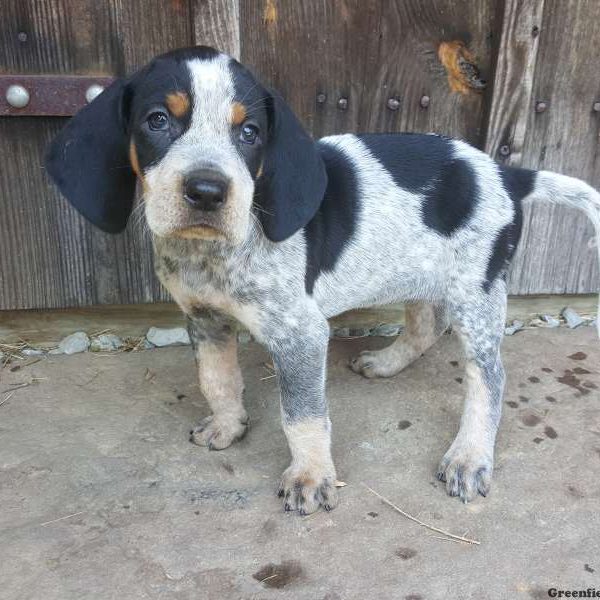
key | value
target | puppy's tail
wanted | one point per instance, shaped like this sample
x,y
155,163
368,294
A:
x,y
561,189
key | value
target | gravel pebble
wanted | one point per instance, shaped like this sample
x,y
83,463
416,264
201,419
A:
x,y
106,342
168,337
73,344
341,332
572,318
512,329
550,321
359,332
32,352
386,330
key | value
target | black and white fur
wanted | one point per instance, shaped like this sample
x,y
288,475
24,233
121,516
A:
x,y
304,231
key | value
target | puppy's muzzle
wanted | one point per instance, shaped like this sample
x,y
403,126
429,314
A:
x,y
206,190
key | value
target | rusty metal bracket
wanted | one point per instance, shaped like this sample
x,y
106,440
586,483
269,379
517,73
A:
x,y
47,95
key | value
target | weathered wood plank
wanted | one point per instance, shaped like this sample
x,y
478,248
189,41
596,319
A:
x,y
369,53
556,254
513,80
403,64
217,24
49,256
45,328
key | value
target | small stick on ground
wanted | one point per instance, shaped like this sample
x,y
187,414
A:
x,y
405,514
62,518
8,397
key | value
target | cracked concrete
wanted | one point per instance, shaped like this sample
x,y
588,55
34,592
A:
x,y
102,496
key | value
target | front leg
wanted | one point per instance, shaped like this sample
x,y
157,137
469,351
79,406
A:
x,y
300,357
214,339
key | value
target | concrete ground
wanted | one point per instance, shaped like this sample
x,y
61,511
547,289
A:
x,y
102,496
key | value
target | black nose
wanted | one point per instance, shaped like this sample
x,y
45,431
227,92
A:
x,y
205,191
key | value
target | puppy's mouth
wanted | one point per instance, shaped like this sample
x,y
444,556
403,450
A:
x,y
199,231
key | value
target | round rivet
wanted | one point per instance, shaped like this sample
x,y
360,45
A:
x,y
321,98
505,150
342,103
540,107
17,96
22,36
424,101
93,91
596,107
393,103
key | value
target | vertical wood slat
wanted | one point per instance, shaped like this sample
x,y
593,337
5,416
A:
x,y
513,80
217,24
49,256
556,254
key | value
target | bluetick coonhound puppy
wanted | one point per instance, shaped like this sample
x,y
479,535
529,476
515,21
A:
x,y
254,223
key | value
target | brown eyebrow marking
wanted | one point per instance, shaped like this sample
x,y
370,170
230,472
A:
x,y
178,103
238,113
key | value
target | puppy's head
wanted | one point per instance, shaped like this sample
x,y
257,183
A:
x,y
211,146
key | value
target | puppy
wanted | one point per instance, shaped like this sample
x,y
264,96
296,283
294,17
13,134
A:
x,y
256,224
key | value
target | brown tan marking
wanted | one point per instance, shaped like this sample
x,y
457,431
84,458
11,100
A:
x,y
238,113
133,159
178,103
135,164
222,386
310,479
199,232
420,335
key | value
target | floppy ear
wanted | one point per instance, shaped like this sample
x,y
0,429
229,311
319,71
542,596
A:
x,y
88,160
294,178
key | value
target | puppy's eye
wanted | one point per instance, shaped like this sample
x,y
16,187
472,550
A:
x,y
158,121
249,133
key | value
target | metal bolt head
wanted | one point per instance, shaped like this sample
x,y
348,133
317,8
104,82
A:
x,y
93,91
22,36
393,103
541,106
504,150
424,101
342,103
17,96
596,107
321,98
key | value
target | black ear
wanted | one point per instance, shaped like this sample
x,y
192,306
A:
x,y
89,162
294,179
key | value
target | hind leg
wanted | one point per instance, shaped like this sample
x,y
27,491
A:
x,y
424,324
467,465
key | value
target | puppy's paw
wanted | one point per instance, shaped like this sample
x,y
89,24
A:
x,y
305,492
467,472
377,363
219,431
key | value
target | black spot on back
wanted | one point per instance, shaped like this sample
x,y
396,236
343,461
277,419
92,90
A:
x,y
518,183
328,233
426,164
451,199
412,159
